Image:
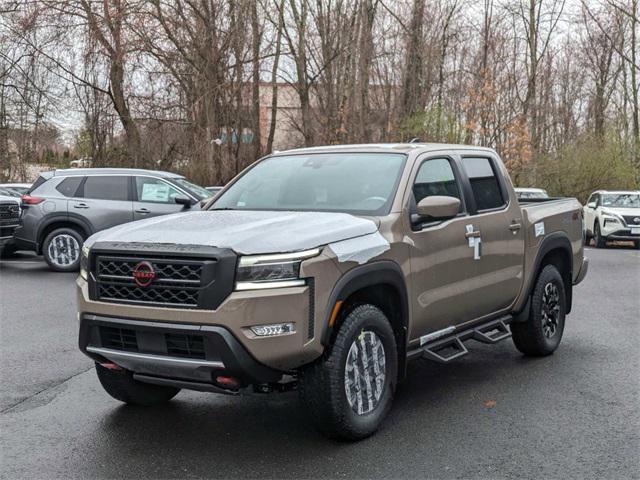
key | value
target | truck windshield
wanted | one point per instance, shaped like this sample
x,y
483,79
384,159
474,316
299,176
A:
x,y
622,200
358,183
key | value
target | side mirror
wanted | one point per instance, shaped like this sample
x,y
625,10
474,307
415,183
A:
x,y
182,200
591,205
438,207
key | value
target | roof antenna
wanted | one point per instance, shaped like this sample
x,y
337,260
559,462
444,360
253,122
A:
x,y
415,140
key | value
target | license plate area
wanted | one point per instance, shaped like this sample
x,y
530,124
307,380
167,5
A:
x,y
635,230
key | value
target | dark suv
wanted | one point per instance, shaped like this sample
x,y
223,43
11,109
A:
x,y
64,207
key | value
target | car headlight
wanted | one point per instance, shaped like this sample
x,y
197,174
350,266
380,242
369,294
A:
x,y
84,262
271,271
610,219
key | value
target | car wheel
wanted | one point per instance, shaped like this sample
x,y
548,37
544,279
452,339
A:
x,y
598,239
541,333
62,248
349,390
121,385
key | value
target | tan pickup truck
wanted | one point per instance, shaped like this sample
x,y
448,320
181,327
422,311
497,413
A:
x,y
327,269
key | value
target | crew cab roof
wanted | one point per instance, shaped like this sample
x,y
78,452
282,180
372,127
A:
x,y
384,148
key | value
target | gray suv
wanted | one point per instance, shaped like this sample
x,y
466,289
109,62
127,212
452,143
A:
x,y
64,207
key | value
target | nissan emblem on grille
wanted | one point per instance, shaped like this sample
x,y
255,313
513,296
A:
x,y
143,274
636,220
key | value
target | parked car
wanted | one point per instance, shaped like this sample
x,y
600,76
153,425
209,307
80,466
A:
x,y
14,189
530,193
331,267
9,220
613,215
65,207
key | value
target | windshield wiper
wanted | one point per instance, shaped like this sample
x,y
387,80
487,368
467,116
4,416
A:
x,y
223,208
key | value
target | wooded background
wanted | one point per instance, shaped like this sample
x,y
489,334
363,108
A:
x,y
553,85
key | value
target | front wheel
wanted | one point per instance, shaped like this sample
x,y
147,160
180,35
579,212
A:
x,y
61,250
598,239
349,391
121,385
541,333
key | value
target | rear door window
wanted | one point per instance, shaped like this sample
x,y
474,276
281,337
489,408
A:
x,y
484,183
69,186
107,187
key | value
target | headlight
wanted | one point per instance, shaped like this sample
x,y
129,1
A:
x,y
84,262
271,271
608,219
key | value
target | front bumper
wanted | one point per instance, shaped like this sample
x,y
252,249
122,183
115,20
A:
x,y
6,233
616,231
189,355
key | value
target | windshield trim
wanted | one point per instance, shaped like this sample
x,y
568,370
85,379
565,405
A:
x,y
210,205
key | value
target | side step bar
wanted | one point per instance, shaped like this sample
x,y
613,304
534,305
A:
x,y
452,347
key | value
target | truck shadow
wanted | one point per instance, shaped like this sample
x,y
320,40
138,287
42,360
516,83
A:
x,y
267,435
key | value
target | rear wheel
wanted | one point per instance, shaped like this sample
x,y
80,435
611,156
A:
x,y
541,333
598,239
349,391
121,386
61,249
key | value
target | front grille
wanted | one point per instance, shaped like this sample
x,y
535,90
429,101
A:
x,y
189,346
171,344
177,282
9,211
630,220
119,339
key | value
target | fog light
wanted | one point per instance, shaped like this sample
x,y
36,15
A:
x,y
273,330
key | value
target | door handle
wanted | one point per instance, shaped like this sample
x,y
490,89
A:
x,y
474,234
514,227
81,205
144,211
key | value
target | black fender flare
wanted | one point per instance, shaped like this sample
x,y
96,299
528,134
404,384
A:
x,y
553,241
62,217
377,273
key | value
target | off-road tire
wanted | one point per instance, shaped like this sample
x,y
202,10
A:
x,y
121,386
528,336
322,384
71,267
598,239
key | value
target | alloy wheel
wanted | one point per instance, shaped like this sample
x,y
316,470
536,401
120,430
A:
x,y
365,373
550,309
63,250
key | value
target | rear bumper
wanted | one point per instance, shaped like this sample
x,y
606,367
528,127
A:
x,y
152,359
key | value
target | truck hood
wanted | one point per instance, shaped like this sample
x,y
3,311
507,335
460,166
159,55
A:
x,y
245,232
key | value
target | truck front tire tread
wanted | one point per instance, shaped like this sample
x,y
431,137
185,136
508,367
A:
x,y
322,384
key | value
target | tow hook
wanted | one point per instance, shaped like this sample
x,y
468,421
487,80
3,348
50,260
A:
x,y
111,366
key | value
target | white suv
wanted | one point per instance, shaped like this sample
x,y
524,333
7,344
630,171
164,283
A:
x,y
610,215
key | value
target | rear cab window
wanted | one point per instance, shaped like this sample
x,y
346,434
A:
x,y
485,183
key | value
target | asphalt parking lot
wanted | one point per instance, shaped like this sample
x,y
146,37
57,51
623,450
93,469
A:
x,y
491,414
